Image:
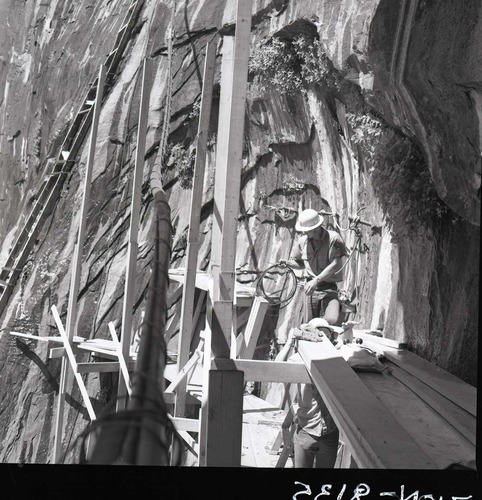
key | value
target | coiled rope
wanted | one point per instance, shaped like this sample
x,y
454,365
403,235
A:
x,y
269,287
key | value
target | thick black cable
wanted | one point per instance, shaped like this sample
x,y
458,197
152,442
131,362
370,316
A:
x,y
279,297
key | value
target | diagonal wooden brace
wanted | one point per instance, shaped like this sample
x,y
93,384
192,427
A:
x,y
122,362
73,363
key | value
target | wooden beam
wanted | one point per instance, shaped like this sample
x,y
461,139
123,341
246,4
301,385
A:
x,y
266,371
77,263
437,439
45,339
203,411
379,340
59,352
461,420
172,325
189,441
225,422
375,436
234,71
187,306
131,271
451,387
255,322
185,370
122,362
98,367
185,424
169,398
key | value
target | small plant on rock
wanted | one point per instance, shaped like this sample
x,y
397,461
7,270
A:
x,y
292,185
183,163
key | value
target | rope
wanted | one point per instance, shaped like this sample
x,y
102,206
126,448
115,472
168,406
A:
x,y
279,296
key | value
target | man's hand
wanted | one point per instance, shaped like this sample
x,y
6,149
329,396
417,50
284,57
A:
x,y
310,286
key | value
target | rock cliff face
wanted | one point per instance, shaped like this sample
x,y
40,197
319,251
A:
x,y
392,135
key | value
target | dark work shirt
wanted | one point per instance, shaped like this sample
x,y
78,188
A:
x,y
317,254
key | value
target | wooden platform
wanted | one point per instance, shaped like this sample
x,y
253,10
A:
x,y
413,415
261,424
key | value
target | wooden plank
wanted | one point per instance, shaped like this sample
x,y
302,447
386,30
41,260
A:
x,y
234,71
253,403
203,412
185,424
101,343
73,363
224,425
181,375
202,278
46,338
172,326
192,447
132,247
248,458
57,352
432,433
287,431
169,398
256,446
98,367
122,362
440,380
187,306
255,322
461,420
376,437
379,340
266,371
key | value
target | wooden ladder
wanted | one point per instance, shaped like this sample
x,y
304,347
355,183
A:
x,y
51,187
167,110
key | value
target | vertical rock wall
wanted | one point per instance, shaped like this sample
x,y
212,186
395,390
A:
x,y
299,151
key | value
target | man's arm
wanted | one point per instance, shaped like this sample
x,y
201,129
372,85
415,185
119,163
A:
x,y
296,260
285,351
333,267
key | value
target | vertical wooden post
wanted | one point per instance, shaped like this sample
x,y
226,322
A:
x,y
234,73
223,401
225,421
187,305
77,263
130,283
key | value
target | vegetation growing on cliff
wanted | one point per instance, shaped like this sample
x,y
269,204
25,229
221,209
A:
x,y
399,175
182,161
287,66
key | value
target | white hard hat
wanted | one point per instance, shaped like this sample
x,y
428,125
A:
x,y
319,322
308,219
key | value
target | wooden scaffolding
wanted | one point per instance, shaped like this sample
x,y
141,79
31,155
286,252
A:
x,y
376,413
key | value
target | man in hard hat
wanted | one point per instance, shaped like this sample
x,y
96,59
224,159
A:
x,y
320,253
